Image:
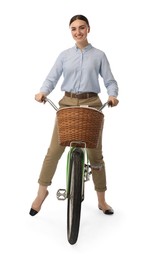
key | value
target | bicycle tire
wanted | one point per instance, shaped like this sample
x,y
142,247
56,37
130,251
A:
x,y
75,195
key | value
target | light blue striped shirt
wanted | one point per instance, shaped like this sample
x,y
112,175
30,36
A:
x,y
81,70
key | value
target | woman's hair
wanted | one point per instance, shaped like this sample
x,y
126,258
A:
x,y
79,17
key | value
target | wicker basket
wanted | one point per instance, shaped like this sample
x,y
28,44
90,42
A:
x,y
79,124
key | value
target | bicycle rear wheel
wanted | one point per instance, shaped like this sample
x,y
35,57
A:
x,y
75,195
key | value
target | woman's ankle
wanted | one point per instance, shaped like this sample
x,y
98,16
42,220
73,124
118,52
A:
x,y
42,190
101,200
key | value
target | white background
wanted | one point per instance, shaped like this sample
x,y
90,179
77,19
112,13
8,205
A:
x,y
33,33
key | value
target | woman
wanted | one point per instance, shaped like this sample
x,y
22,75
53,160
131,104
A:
x,y
81,66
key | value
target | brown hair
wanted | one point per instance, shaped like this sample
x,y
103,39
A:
x,y
79,17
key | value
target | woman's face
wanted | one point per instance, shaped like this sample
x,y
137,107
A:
x,y
79,30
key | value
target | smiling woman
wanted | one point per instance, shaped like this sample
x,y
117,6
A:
x,y
79,26
81,67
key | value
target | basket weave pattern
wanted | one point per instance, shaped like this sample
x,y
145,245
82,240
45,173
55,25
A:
x,y
79,124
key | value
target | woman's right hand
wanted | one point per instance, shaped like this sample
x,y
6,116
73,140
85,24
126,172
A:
x,y
40,97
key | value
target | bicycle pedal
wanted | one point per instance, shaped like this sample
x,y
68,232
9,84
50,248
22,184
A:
x,y
87,172
86,177
61,194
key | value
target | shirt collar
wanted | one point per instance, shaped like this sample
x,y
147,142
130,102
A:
x,y
87,48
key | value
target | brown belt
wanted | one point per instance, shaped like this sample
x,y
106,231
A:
x,y
81,95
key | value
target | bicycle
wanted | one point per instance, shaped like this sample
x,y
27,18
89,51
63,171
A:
x,y
78,168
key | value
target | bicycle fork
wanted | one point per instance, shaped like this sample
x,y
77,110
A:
x,y
62,194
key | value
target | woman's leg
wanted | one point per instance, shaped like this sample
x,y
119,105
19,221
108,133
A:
x,y
99,175
47,172
51,159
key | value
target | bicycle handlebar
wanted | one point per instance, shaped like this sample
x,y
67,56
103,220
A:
x,y
51,103
56,108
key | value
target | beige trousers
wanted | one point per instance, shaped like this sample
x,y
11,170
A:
x,y
55,150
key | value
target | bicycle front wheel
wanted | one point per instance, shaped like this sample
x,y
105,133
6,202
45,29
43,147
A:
x,y
75,195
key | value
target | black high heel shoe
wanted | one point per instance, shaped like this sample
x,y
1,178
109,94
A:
x,y
33,211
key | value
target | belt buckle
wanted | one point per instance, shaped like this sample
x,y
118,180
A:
x,y
82,95
72,95
76,95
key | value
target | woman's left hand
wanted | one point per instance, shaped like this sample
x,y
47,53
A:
x,y
113,101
